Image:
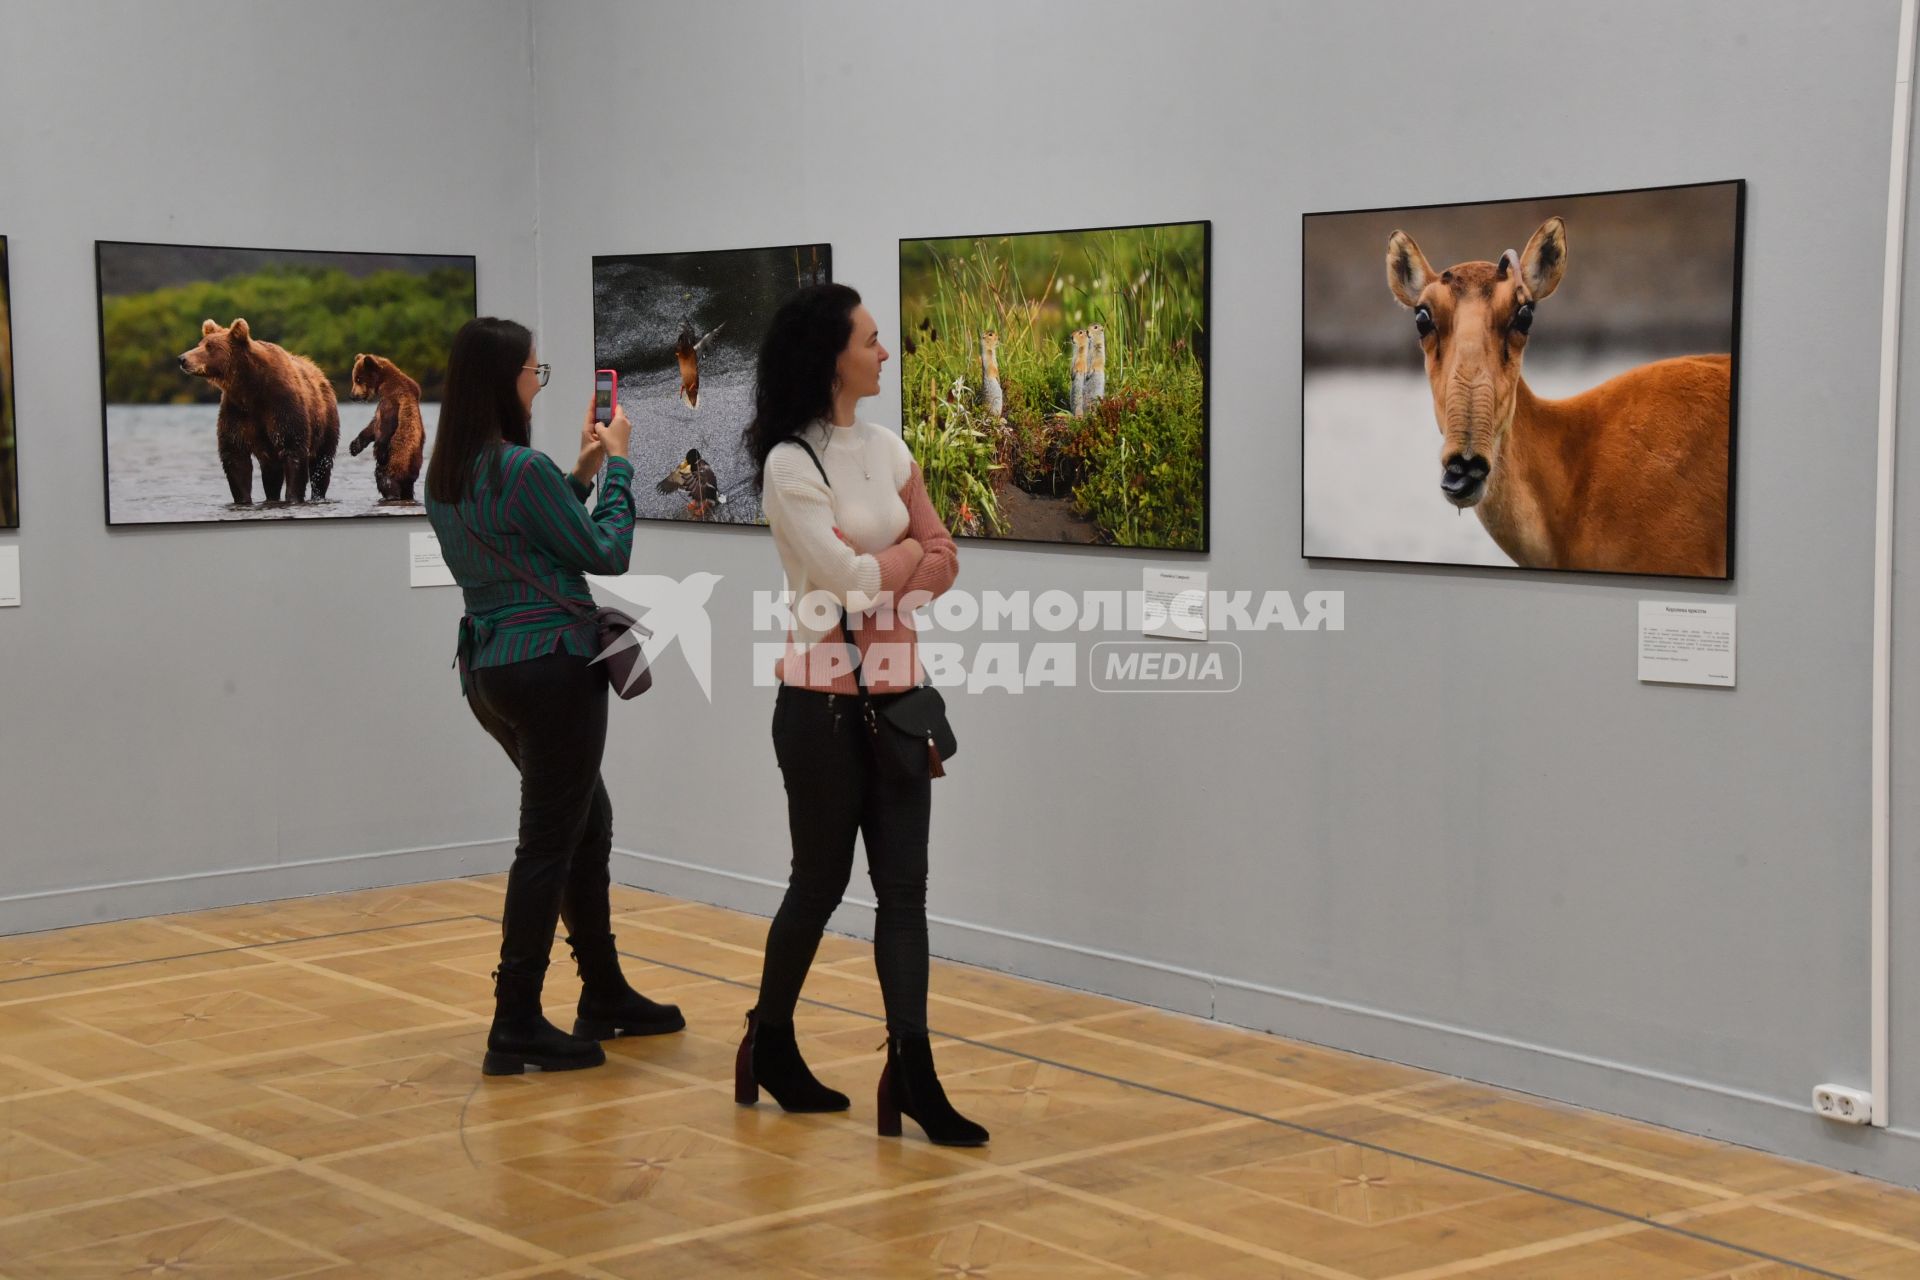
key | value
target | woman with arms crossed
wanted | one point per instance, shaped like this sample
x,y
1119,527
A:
x,y
856,532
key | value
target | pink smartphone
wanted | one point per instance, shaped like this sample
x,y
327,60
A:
x,y
606,386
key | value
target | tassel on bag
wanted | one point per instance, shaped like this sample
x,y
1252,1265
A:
x,y
934,768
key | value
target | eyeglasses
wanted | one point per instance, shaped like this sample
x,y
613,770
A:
x,y
544,370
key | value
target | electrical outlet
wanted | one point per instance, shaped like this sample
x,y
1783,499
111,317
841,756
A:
x,y
1842,1105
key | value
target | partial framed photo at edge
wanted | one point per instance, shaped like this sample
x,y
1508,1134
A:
x,y
9,463
1536,383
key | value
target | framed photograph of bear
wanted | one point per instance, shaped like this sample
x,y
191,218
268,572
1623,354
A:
x,y
9,470
683,331
271,384
1536,384
1053,384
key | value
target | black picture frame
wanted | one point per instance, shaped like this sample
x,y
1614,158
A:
x,y
1733,406
1206,395
9,405
271,516
645,479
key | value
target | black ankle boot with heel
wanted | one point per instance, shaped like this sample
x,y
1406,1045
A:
x,y
769,1058
608,1006
521,1036
909,1087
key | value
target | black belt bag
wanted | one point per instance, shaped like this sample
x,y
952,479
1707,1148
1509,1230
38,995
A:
x,y
911,736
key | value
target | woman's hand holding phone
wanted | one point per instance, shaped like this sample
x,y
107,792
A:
x,y
613,436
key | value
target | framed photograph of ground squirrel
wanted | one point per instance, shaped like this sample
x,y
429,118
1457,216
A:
x,y
271,384
1054,384
1536,384
683,330
9,455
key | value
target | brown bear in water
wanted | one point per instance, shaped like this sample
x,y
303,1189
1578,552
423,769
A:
x,y
274,406
398,437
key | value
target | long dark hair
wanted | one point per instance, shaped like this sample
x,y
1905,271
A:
x,y
480,408
793,386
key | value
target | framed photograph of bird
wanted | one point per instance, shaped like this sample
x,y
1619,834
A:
x,y
683,330
1539,383
1054,384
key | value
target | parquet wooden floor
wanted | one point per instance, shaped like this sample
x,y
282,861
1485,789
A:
x,y
293,1089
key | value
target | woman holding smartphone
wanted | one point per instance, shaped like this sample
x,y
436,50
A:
x,y
857,535
504,513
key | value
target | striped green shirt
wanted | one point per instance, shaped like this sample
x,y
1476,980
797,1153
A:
x,y
536,516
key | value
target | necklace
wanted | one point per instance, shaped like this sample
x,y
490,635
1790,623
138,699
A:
x,y
861,454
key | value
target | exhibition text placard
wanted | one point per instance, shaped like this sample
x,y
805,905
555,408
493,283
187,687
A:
x,y
1686,643
429,569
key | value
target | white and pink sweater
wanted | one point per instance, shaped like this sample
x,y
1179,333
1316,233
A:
x,y
844,545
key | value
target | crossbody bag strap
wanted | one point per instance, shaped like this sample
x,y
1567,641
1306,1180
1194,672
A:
x,y
571,606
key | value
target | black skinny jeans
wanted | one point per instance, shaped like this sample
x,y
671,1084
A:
x,y
550,713
834,792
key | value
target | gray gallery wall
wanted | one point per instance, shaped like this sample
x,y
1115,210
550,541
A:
x,y
1457,833
180,705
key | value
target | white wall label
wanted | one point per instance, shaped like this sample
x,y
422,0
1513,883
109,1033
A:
x,y
429,570
9,577
1176,603
1686,643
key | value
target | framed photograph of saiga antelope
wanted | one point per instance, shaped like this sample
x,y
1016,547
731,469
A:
x,y
1536,384
9,468
271,384
683,332
1053,384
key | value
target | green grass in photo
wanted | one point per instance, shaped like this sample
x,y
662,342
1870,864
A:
x,y
321,313
1135,462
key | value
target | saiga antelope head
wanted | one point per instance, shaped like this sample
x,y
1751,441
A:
x,y
1473,320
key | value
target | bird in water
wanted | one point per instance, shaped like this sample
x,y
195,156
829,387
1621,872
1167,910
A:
x,y
695,476
687,352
